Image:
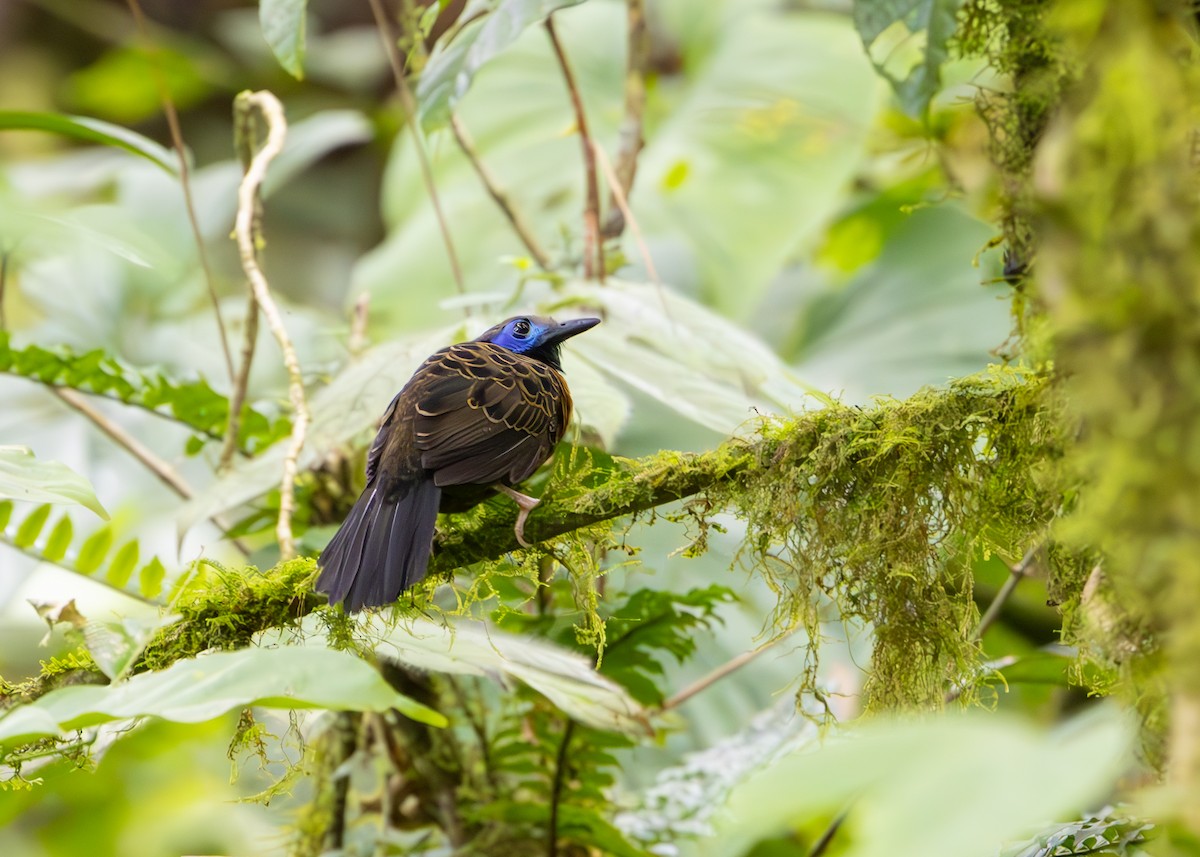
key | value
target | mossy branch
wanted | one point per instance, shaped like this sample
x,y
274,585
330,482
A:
x,y
983,432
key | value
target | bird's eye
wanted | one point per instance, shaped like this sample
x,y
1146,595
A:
x,y
521,328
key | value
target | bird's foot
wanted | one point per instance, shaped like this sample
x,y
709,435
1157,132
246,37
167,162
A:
x,y
526,504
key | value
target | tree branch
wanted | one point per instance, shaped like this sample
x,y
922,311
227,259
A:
x,y
166,474
1016,575
728,668
236,607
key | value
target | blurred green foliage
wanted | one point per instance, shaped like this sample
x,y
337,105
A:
x,y
804,239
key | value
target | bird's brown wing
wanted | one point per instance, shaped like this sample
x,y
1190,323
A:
x,y
381,437
485,414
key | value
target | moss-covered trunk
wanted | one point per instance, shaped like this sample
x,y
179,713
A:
x,y
1119,281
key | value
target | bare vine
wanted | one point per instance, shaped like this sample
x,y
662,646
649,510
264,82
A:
x,y
248,195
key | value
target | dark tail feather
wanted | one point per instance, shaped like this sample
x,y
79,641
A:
x,y
381,549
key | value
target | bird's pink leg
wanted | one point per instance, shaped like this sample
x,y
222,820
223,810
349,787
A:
x,y
527,504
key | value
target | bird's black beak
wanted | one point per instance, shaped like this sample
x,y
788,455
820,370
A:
x,y
567,329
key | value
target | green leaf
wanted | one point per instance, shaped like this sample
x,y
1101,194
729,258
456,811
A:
x,y
123,564
937,19
193,403
565,678
6,509
462,53
92,131
199,689
283,24
895,771
775,105
1041,667
23,477
94,549
699,364
1107,834
578,822
653,621
150,578
59,540
921,298
26,722
31,527
115,645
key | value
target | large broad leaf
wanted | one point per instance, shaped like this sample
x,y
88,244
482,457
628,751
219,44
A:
x,y
282,24
952,786
462,53
92,131
684,798
765,127
202,688
920,314
23,477
691,359
934,19
565,678
748,169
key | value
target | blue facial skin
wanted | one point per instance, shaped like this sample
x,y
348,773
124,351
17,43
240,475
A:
x,y
536,336
521,335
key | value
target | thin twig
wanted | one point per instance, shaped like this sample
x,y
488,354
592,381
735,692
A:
x,y
272,111
629,141
55,384
357,341
727,668
409,102
237,398
822,844
524,232
622,203
560,768
185,183
167,474
1016,575
593,247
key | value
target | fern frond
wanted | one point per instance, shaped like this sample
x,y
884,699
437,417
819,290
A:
x,y
193,403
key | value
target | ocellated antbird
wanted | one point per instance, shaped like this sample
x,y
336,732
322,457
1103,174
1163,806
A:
x,y
475,418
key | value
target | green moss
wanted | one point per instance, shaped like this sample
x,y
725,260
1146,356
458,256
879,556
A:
x,y
224,608
1119,283
74,667
882,510
1014,37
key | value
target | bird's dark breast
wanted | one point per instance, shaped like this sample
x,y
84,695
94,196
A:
x,y
473,415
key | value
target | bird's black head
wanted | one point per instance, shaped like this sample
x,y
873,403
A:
x,y
536,336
